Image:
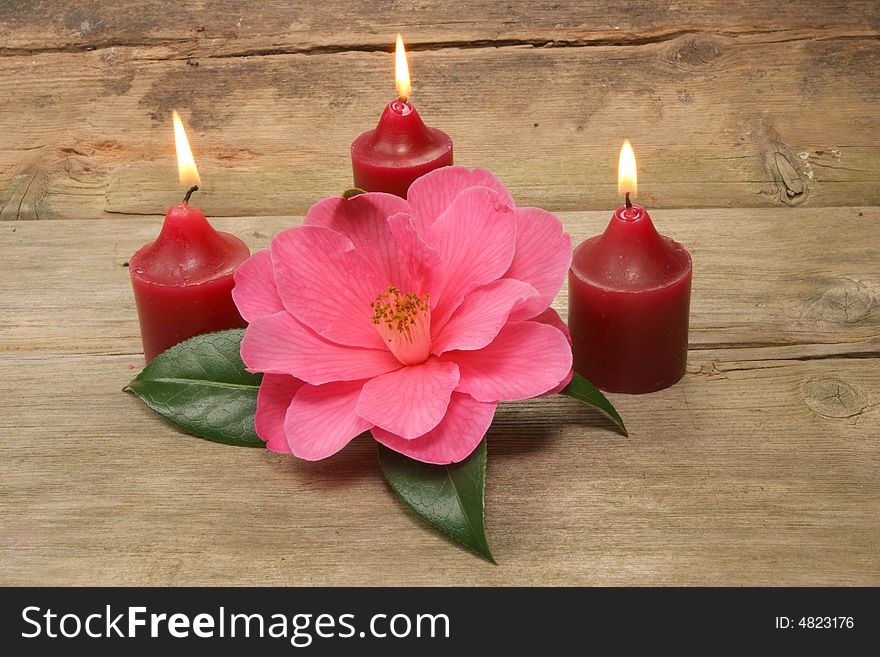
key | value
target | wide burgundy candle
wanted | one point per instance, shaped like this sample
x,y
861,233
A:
x,y
401,148
629,302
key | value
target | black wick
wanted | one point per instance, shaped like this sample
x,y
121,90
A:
x,y
626,196
195,188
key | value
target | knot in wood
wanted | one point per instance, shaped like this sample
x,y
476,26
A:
x,y
791,181
786,173
695,52
834,398
847,303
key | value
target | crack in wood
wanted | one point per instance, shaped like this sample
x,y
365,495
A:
x,y
855,355
610,40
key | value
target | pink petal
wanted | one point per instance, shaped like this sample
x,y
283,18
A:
x,y
542,258
418,266
321,419
431,194
410,401
363,220
255,293
279,344
458,434
276,393
560,386
481,315
475,238
552,318
525,360
327,285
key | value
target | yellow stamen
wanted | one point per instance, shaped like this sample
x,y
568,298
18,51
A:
x,y
404,322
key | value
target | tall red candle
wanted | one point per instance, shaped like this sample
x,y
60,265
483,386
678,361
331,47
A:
x,y
401,148
629,301
183,280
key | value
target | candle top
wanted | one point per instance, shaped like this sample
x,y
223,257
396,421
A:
x,y
401,139
188,251
630,256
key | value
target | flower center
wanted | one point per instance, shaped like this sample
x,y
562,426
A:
x,y
404,322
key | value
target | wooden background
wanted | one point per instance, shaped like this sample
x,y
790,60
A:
x,y
757,127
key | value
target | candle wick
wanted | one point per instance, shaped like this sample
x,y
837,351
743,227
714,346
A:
x,y
402,99
628,202
189,193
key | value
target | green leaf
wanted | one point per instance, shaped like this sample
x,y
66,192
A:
x,y
449,497
586,392
353,191
202,387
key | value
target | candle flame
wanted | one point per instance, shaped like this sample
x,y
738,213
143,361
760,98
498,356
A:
x,y
627,177
187,172
401,71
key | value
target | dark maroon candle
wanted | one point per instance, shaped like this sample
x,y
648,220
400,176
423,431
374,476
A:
x,y
629,302
401,148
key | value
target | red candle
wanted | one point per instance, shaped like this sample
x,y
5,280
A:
x,y
183,281
401,148
629,300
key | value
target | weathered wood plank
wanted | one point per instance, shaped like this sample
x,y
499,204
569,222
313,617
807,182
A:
x,y
760,467
227,26
717,121
760,475
805,280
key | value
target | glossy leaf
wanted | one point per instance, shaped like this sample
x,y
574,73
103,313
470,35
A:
x,y
201,386
586,392
449,497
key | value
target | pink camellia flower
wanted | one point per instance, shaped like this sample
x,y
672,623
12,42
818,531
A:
x,y
408,318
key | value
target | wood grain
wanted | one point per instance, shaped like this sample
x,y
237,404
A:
x,y
760,467
766,108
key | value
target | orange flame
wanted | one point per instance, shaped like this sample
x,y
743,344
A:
x,y
627,176
401,71
187,172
